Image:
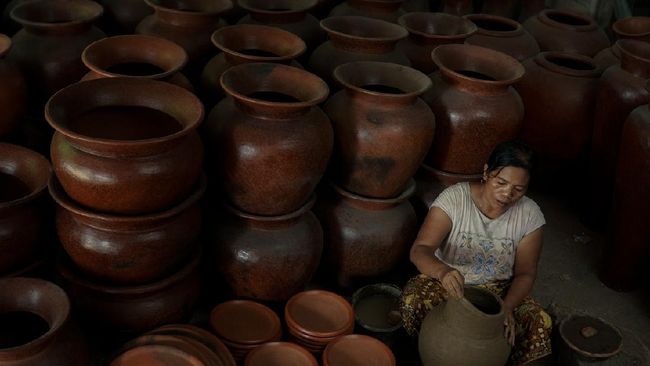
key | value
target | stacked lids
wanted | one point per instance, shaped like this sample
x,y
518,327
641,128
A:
x,y
357,350
280,354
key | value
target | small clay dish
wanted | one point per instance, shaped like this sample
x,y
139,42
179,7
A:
x,y
185,344
319,313
357,350
318,340
156,355
243,322
280,354
208,339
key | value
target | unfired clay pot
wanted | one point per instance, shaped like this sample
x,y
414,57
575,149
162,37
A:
x,y
637,28
13,91
388,10
502,34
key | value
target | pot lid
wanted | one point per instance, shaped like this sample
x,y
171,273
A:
x,y
245,322
590,337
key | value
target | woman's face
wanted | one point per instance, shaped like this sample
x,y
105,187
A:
x,y
505,186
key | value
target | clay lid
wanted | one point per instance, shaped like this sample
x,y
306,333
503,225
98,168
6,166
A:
x,y
156,355
245,322
591,337
319,313
280,354
357,350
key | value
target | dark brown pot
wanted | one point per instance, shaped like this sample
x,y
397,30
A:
x,y
123,169
500,8
36,325
388,10
502,34
13,91
566,31
382,129
281,252
136,56
354,38
637,28
272,140
428,31
122,16
472,91
457,7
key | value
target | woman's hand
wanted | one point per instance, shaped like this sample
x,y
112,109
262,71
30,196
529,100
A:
x,y
453,282
509,323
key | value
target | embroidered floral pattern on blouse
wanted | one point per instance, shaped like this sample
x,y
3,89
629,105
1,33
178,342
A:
x,y
481,259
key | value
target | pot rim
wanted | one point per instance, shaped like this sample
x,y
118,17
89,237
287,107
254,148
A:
x,y
248,5
95,11
371,289
545,16
398,31
338,298
518,28
267,31
542,59
227,5
403,21
619,27
341,77
628,47
253,307
33,156
473,309
283,346
380,346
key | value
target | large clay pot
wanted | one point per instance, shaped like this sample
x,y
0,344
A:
x,y
468,331
122,16
567,31
472,91
620,90
388,10
36,325
502,34
106,164
382,129
637,28
354,38
428,31
281,252
272,140
13,91
23,181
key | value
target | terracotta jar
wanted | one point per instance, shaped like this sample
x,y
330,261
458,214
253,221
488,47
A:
x,y
136,56
388,10
566,31
36,325
122,16
382,129
354,38
13,91
473,329
620,90
272,140
364,237
457,7
472,91
501,8
502,34
106,164
268,258
23,178
637,28
428,31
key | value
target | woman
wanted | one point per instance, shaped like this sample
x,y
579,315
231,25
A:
x,y
486,234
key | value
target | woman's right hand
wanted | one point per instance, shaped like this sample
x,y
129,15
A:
x,y
453,282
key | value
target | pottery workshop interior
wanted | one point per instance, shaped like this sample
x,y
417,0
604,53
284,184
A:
x,y
324,182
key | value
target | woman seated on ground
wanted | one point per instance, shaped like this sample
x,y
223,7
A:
x,y
486,234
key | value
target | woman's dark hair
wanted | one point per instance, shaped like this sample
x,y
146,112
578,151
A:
x,y
511,153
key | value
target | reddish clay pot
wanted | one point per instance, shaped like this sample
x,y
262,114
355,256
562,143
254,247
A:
x,y
36,325
272,140
502,34
429,30
280,354
382,129
637,28
13,91
500,8
268,258
388,10
198,334
122,16
477,77
122,169
364,237
566,31
354,38
23,178
136,56
159,349
457,7
245,324
358,350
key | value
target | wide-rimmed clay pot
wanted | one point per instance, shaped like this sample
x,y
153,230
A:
x,y
280,354
355,38
382,129
472,91
388,10
136,56
246,43
566,31
198,334
105,163
23,181
429,30
282,252
36,325
272,140
357,350
637,28
376,311
473,329
122,16
502,34
13,91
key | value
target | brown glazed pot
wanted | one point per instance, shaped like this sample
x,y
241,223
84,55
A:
x,y
354,38
566,31
620,90
382,129
122,16
502,34
429,30
473,329
272,140
637,28
364,237
122,169
136,56
475,105
388,10
36,325
13,91
23,181
268,258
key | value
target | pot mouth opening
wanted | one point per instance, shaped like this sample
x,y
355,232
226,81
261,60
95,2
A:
x,y
382,79
376,307
567,19
5,45
632,27
437,25
494,24
477,64
189,7
23,175
258,42
637,50
569,62
482,301
362,28
45,13
277,6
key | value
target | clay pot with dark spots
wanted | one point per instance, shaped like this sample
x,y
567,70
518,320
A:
x,y
122,16
502,34
636,28
388,10
382,129
13,91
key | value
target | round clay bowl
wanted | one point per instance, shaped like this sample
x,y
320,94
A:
x,y
187,344
156,355
208,339
314,340
243,322
280,354
319,313
357,350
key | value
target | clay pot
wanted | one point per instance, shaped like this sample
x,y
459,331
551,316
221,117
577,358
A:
x,y
376,311
364,237
36,325
388,10
280,354
122,16
136,56
272,112
477,77
457,7
354,38
13,91
500,8
429,30
165,350
473,329
198,334
357,350
502,34
283,252
382,129
23,178
637,28
106,164
566,31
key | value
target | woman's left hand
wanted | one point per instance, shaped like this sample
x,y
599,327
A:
x,y
510,328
